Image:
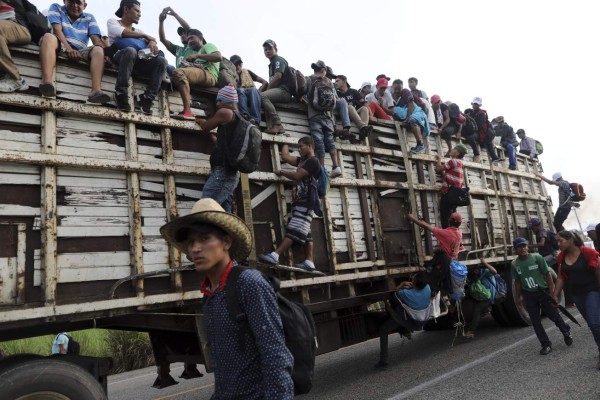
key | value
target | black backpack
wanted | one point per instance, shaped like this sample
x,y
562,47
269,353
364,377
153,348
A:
x,y
321,94
298,326
243,145
37,23
73,346
295,81
227,74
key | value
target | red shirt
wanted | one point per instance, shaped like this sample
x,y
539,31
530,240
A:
x,y
205,285
454,175
590,255
449,240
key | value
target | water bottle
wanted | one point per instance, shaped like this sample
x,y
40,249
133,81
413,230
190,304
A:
x,y
145,54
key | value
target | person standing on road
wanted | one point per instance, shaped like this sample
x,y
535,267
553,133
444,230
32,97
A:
x,y
578,265
253,364
533,280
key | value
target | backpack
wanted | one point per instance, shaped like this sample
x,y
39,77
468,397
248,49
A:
x,y
469,126
37,23
295,81
552,239
490,133
323,187
498,284
73,346
458,276
321,94
298,326
479,291
227,74
539,147
243,145
577,192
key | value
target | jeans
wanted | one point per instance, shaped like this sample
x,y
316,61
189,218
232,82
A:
x,y
170,69
321,130
536,301
491,149
512,154
478,309
445,210
128,62
220,185
267,98
472,141
589,307
341,106
249,103
561,215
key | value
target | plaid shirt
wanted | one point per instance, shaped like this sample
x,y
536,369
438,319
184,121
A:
x,y
261,368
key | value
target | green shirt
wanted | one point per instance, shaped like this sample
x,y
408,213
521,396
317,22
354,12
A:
x,y
279,64
211,67
532,272
181,53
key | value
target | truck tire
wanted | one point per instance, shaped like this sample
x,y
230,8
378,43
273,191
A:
x,y
16,359
518,316
55,380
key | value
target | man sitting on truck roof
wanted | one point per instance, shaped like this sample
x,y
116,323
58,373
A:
x,y
248,95
73,28
13,32
359,113
254,363
527,145
407,109
180,52
275,91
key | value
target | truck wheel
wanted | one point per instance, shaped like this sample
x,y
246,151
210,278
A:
x,y
518,316
16,359
55,380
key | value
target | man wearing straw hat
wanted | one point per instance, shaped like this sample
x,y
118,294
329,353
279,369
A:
x,y
258,364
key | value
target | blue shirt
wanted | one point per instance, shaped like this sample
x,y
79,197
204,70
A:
x,y
61,338
76,32
415,298
262,370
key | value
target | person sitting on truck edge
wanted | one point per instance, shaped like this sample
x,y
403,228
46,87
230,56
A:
x,y
120,33
453,175
200,70
533,280
13,32
180,52
359,113
222,181
413,116
341,108
453,123
60,344
480,306
422,101
527,145
248,95
483,128
298,228
408,312
380,102
508,140
72,29
449,238
257,364
564,199
546,243
321,124
275,91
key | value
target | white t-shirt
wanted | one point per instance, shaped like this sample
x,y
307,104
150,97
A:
x,y
115,30
388,101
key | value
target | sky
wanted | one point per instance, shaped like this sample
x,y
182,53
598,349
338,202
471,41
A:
x,y
513,54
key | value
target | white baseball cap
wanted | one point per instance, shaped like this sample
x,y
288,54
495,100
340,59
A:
x,y
591,227
556,176
477,100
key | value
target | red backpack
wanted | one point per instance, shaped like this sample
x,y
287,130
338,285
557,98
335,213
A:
x,y
577,192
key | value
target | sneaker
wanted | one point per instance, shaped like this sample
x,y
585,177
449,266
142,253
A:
x,y
199,105
337,171
469,335
343,134
144,104
477,159
184,116
47,90
305,265
568,338
122,101
545,350
99,98
365,132
268,258
10,85
275,129
497,160
512,167
420,148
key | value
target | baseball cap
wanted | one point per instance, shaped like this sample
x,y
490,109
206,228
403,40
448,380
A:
x,y
499,119
456,217
270,43
235,59
591,227
318,65
194,32
344,78
556,176
534,222
382,82
119,12
461,149
477,100
382,76
180,31
436,99
520,241
520,131
365,84
330,73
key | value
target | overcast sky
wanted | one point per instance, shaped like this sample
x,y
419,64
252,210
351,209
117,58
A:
x,y
534,62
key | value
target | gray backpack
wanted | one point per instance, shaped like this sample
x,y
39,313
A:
x,y
227,74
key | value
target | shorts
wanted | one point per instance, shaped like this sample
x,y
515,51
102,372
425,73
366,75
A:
x,y
298,228
62,51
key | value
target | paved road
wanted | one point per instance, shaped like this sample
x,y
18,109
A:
x,y
501,363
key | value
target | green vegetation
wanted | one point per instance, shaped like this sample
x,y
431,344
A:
x,y
129,350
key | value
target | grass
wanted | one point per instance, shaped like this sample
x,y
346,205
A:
x,y
129,350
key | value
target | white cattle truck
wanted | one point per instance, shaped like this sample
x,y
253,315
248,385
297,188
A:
x,y
84,190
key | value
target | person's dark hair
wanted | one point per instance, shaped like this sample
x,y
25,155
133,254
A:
x,y
453,223
396,81
130,4
413,79
572,235
420,280
185,233
307,140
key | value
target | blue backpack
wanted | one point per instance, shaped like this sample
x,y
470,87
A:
x,y
323,182
124,42
458,277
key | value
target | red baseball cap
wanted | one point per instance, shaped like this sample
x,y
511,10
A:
x,y
455,217
382,82
436,99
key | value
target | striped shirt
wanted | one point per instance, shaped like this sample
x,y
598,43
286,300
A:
x,y
454,176
76,32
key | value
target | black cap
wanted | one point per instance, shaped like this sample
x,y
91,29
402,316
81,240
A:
x,y
270,43
194,32
235,59
119,12
520,131
382,76
180,31
343,77
318,65
330,73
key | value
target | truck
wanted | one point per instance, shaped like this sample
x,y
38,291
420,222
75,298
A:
x,y
84,190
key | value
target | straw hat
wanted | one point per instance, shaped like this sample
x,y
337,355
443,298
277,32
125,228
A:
x,y
208,211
